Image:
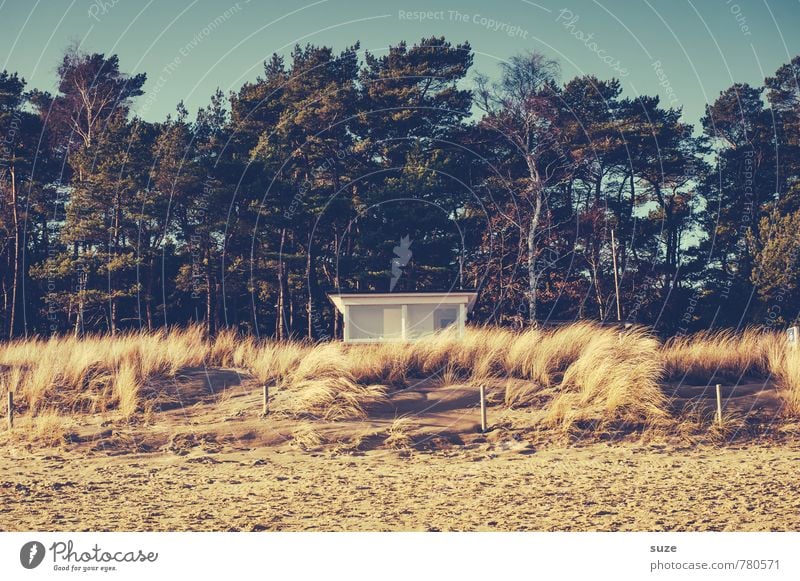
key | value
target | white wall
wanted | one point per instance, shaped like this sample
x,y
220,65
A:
x,y
375,322
420,321
385,322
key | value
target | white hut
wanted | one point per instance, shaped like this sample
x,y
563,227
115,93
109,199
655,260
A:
x,y
403,316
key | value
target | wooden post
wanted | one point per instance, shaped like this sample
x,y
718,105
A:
x,y
616,279
719,405
483,408
265,402
10,410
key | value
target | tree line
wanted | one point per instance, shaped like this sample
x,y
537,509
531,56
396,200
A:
x,y
557,200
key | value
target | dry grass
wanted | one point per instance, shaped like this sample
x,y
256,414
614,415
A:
x,y
542,357
724,355
547,354
329,398
388,364
306,437
271,362
615,379
95,373
321,384
49,428
578,376
784,365
127,387
399,434
224,347
450,375
719,355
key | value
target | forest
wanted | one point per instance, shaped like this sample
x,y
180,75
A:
x,y
558,199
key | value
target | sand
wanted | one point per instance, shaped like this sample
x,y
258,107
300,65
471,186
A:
x,y
208,462
595,488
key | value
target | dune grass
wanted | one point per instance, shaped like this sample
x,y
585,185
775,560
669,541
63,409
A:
x,y
784,365
127,388
95,373
614,379
580,376
398,436
721,355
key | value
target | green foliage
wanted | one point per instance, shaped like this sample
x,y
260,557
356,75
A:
x,y
776,264
378,171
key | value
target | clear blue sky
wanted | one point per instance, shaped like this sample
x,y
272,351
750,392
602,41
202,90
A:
x,y
188,48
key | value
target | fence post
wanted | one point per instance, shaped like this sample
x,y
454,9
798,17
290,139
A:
x,y
483,408
719,405
10,410
265,400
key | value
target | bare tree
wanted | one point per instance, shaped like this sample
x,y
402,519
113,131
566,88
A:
x,y
523,108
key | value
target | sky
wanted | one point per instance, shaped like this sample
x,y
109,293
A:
x,y
685,51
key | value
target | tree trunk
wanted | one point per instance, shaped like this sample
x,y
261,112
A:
x,y
218,303
6,282
211,287
336,282
149,298
670,260
80,308
280,321
311,284
533,278
112,321
15,275
291,315
114,249
598,293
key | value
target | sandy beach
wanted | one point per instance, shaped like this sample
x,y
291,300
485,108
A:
x,y
619,487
